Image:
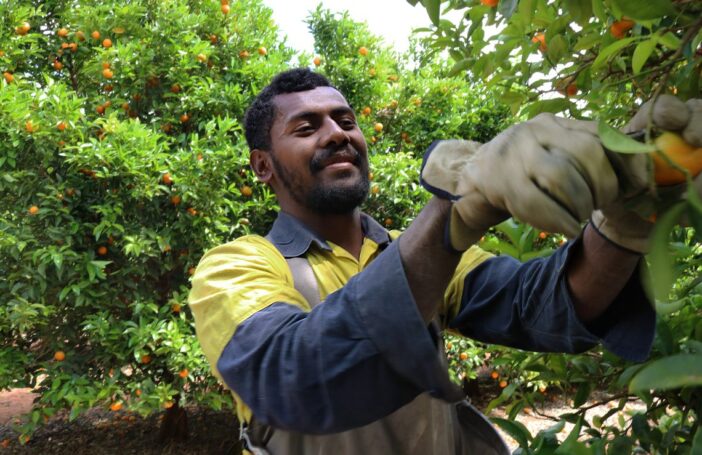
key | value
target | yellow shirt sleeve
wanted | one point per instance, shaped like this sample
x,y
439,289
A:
x,y
234,281
472,257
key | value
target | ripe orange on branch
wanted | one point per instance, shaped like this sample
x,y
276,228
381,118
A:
x,y
681,153
619,28
23,28
541,39
59,356
490,3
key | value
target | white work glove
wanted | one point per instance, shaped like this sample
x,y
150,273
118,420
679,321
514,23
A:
x,y
549,172
622,221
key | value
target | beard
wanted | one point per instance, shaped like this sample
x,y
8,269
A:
x,y
327,198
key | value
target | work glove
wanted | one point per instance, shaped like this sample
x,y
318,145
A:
x,y
627,221
549,172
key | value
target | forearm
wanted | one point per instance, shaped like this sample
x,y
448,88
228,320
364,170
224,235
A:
x,y
428,264
597,273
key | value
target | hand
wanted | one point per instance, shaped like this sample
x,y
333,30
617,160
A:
x,y
549,172
617,221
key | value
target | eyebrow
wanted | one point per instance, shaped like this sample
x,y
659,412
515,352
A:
x,y
341,110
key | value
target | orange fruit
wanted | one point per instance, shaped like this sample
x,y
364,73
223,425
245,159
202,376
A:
x,y
80,35
225,9
681,153
503,384
61,126
73,46
317,61
494,374
166,179
116,406
183,373
175,88
490,3
393,78
542,235
371,72
5,443
572,89
58,65
108,88
175,199
175,308
168,404
449,345
366,111
619,28
29,126
191,211
202,58
137,392
213,39
62,32
23,28
33,210
184,118
378,127
95,34
107,73
8,77
388,222
100,109
102,250
370,176
363,51
541,39
146,359
463,356
246,191
107,43
375,189
262,51
244,54
59,356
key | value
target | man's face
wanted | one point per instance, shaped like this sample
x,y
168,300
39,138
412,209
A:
x,y
319,154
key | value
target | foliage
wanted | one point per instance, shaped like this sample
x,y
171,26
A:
x,y
598,58
122,161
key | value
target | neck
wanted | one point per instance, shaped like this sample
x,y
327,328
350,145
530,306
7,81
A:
x,y
342,229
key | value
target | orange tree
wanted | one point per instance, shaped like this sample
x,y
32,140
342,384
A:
x,y
600,59
122,160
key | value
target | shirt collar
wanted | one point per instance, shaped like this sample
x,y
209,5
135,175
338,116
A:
x,y
293,238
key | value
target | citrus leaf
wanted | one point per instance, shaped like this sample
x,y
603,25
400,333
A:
x,y
669,373
659,257
460,67
697,442
433,8
641,54
610,51
664,308
616,141
669,40
515,429
507,8
650,9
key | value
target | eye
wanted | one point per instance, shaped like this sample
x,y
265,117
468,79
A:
x,y
347,122
304,128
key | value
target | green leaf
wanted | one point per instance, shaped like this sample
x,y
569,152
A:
x,y
662,269
557,48
460,66
669,373
515,429
664,308
555,105
697,442
581,10
616,141
669,40
610,51
644,10
507,7
582,394
641,54
433,8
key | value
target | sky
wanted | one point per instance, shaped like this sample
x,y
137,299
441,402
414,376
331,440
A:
x,y
391,19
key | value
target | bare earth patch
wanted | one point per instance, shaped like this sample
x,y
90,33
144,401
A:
x,y
100,431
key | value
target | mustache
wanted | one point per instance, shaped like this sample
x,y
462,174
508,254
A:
x,y
347,150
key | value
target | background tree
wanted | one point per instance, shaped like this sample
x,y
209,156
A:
x,y
122,160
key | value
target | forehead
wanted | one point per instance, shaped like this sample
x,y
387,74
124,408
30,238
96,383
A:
x,y
317,100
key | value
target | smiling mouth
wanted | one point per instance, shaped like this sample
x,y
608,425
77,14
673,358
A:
x,y
338,160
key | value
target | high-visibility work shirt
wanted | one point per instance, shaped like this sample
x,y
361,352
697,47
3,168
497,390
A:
x,y
365,351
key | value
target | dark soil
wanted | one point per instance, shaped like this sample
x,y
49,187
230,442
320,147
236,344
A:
x,y
102,432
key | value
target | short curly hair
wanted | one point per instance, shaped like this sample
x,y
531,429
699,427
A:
x,y
259,116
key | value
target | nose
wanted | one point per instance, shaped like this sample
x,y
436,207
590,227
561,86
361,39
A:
x,y
333,133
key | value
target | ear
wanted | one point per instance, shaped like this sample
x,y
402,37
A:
x,y
260,162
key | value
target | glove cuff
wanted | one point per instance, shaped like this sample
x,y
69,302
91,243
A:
x,y
457,236
442,165
630,233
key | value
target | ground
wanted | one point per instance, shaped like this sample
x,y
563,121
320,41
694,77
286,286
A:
x,y
103,432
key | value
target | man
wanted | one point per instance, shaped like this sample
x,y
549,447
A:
x,y
323,329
